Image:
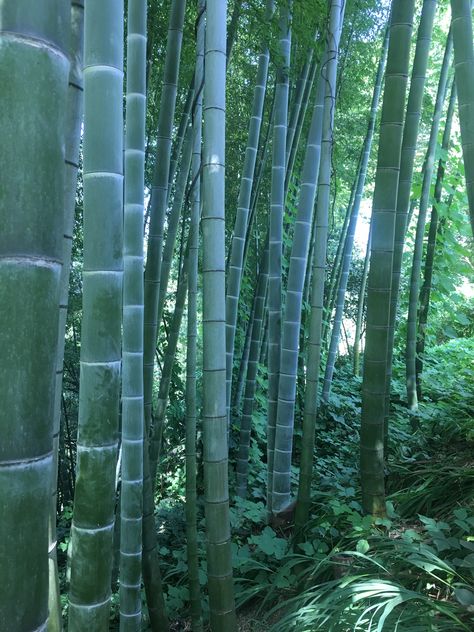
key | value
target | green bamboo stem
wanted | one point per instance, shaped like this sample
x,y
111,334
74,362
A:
x,y
239,385
34,72
336,268
214,423
159,197
191,349
166,374
73,136
410,351
360,307
349,241
464,70
173,223
300,101
409,143
234,277
425,292
381,256
178,143
328,77
258,179
293,149
232,32
94,500
294,300
150,562
276,238
131,492
258,311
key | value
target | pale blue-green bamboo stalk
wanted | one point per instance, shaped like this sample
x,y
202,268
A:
x,y
234,277
276,236
294,303
191,349
214,417
328,77
34,72
349,241
131,493
410,351
94,501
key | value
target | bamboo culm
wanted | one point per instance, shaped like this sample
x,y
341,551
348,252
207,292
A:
x,y
100,363
425,292
214,414
294,302
349,241
381,256
410,351
328,78
191,350
276,239
131,490
34,69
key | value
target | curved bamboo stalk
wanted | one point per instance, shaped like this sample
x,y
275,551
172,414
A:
x,y
294,299
251,380
410,135
34,74
159,197
410,351
349,241
191,354
131,493
234,278
360,306
464,70
380,273
276,237
216,490
173,223
73,137
425,291
328,77
94,501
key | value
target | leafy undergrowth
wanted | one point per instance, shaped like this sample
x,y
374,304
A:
x,y
412,571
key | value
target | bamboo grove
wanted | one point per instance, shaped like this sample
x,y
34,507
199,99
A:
x,y
241,201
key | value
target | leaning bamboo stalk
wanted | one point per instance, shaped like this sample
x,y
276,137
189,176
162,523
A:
x,y
73,137
251,380
425,291
234,277
409,143
410,351
349,241
328,76
159,197
464,71
191,349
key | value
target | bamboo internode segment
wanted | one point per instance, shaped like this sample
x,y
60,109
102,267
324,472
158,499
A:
x,y
101,338
34,70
